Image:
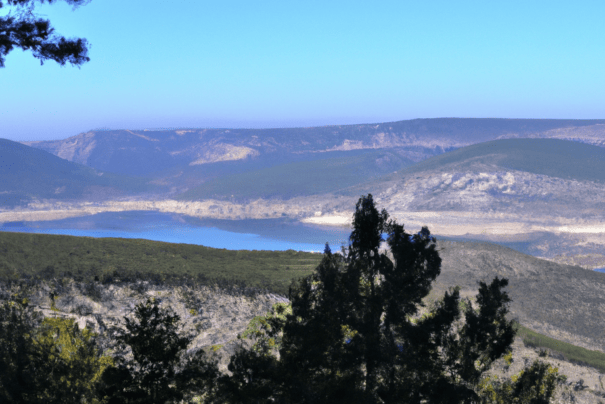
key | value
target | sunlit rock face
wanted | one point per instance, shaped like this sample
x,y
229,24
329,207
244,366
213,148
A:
x,y
495,190
224,152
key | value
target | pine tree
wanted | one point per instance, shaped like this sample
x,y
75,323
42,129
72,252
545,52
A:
x,y
356,333
25,31
159,371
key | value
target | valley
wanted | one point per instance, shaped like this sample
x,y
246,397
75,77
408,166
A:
x,y
533,182
521,199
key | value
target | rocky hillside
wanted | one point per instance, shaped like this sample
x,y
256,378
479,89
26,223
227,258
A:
x,y
214,316
506,176
560,301
564,302
580,384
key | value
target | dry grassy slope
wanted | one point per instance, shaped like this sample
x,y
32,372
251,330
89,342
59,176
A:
x,y
561,301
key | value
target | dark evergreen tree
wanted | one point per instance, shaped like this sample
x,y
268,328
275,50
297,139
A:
x,y
355,333
22,29
19,376
158,371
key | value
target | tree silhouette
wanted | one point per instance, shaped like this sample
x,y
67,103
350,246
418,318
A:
x,y
22,29
19,376
356,333
158,372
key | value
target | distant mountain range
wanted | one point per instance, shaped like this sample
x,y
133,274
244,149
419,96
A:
x,y
143,152
260,163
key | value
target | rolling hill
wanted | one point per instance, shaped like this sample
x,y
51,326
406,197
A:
x,y
562,301
31,174
301,178
534,178
552,157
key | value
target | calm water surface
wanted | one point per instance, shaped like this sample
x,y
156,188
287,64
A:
x,y
264,234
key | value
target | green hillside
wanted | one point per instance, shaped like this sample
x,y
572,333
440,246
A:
x,y
85,259
28,173
48,256
300,178
569,352
552,157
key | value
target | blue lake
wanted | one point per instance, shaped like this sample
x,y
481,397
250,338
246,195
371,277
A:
x,y
264,234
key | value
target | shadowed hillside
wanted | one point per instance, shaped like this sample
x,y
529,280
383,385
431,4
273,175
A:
x,y
29,174
564,302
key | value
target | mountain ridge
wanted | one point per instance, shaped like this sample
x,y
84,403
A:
x,y
141,152
28,174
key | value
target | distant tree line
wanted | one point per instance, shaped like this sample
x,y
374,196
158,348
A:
x,y
56,260
353,333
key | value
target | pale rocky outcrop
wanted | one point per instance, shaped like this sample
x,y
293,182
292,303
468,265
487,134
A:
x,y
214,317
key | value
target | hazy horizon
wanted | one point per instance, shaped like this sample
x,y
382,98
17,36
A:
x,y
285,126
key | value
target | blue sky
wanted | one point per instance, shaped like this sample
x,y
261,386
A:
x,y
223,63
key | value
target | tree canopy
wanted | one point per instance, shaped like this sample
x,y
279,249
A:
x,y
46,360
21,28
157,370
359,332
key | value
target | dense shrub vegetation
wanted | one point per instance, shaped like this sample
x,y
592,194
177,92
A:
x,y
564,350
46,360
85,259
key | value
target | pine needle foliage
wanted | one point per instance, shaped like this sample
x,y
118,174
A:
x,y
158,369
353,334
22,29
46,360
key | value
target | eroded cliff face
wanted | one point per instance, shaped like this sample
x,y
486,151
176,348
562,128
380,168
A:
x,y
213,316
